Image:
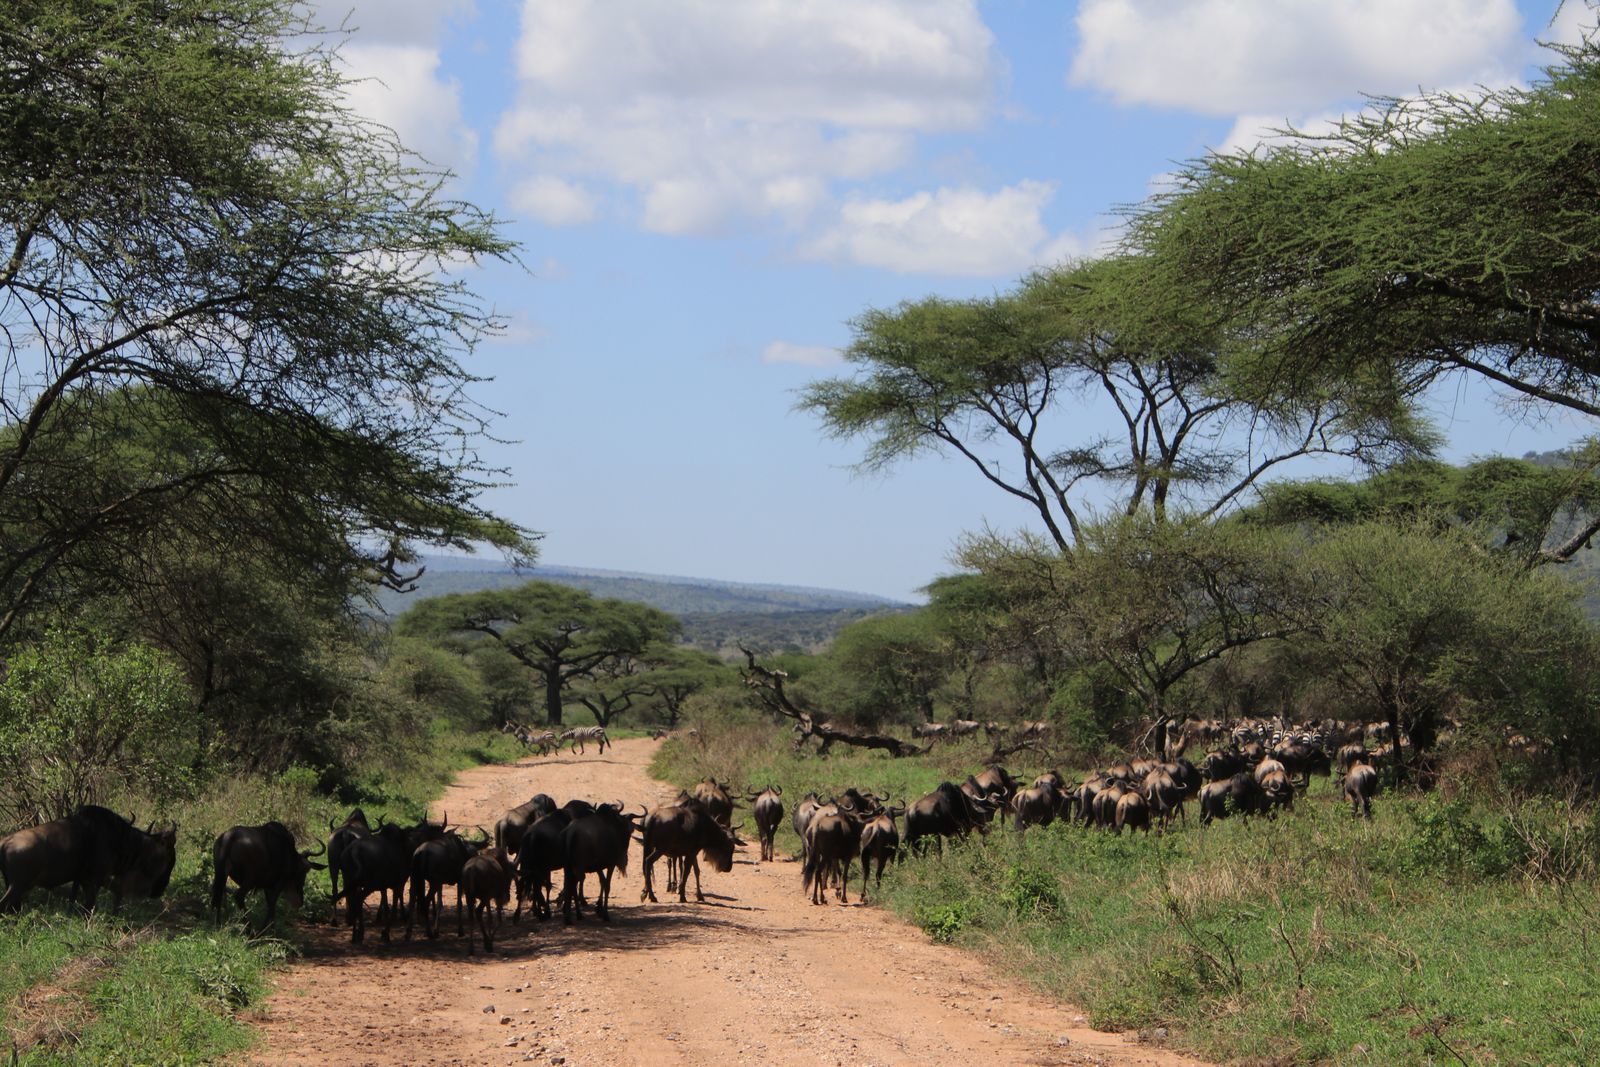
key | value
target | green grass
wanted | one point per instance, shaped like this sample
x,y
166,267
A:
x,y
1442,931
162,983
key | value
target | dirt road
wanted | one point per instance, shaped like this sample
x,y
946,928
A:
x,y
756,975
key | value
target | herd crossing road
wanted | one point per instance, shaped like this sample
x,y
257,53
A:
x,y
757,974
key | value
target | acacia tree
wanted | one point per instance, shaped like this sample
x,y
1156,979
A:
x,y
1008,383
189,211
1415,621
1426,237
559,633
1151,601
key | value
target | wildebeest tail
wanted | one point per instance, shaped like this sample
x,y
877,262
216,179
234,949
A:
x,y
808,874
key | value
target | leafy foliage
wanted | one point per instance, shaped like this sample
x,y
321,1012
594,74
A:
x,y
82,720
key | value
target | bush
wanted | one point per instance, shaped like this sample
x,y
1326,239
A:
x,y
81,719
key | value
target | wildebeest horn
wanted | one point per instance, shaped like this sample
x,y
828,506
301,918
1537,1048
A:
x,y
778,789
331,827
308,854
383,820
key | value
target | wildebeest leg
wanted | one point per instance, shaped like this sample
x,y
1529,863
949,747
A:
x,y
461,925
219,882
272,907
604,898
649,892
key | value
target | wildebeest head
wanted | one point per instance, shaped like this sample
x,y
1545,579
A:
x,y
155,853
300,865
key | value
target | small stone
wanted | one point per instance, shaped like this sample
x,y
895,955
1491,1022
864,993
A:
x,y
488,1009
505,1020
1160,1032
513,1042
558,1060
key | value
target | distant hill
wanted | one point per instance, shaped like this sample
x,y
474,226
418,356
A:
x,y
717,615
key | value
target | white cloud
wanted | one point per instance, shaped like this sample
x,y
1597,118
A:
x,y
1225,57
801,355
390,50
554,201
960,231
708,112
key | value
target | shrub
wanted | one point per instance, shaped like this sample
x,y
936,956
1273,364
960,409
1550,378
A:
x,y
81,718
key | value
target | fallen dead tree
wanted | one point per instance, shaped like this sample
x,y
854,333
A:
x,y
768,684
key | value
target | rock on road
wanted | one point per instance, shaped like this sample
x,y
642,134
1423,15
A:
x,y
755,975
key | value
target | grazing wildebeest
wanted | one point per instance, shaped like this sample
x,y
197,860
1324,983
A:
x,y
595,844
963,727
996,779
508,830
945,812
541,854
90,848
684,832
434,865
381,864
261,857
768,812
354,826
485,880
880,843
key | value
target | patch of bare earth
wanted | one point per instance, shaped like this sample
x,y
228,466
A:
x,y
755,975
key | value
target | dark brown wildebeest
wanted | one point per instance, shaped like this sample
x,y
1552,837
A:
x,y
717,799
685,832
995,779
90,848
595,844
1163,794
541,854
1035,806
381,864
1359,784
1133,811
832,842
485,880
508,830
1105,803
434,865
880,842
946,812
804,812
767,809
354,826
1352,754
261,857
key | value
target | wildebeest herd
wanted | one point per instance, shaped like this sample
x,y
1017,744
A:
x,y
407,868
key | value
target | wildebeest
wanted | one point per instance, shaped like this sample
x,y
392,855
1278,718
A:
x,y
929,729
381,864
1359,784
508,830
90,848
963,727
1035,806
717,799
1133,812
880,842
1222,764
541,854
945,812
1240,794
685,832
434,865
767,810
595,844
486,880
832,841
261,857
994,779
354,826
804,812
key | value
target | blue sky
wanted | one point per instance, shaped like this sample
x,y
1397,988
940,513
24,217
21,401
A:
x,y
707,192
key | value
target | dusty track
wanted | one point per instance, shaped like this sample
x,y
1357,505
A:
x,y
756,975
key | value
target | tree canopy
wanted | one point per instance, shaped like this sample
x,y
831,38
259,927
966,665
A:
x,y
1008,383
561,634
1427,236
203,249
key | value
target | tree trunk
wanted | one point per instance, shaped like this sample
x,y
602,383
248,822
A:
x,y
552,696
